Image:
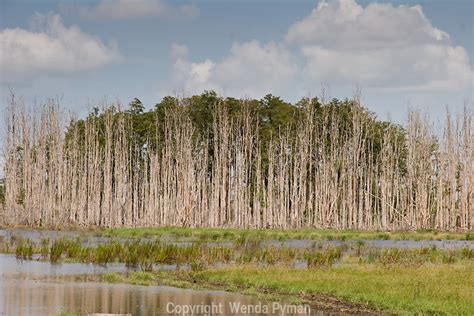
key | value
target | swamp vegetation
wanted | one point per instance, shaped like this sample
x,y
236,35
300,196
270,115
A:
x,y
226,234
209,161
145,253
415,280
318,201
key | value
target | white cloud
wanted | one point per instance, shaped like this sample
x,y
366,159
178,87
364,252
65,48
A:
x,y
412,68
379,46
51,49
343,24
201,72
130,9
251,69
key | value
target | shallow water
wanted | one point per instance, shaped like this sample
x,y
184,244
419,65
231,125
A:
x,y
27,297
377,243
89,239
38,288
10,267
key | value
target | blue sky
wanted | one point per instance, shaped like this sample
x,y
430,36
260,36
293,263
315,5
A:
x,y
398,53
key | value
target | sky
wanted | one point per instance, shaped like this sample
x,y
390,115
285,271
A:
x,y
398,54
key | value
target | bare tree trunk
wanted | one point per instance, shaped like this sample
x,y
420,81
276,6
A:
x,y
318,173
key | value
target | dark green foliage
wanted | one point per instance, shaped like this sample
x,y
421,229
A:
x,y
136,107
271,114
274,115
201,110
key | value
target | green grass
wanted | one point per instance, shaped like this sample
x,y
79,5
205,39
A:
x,y
428,289
233,234
24,249
307,233
112,277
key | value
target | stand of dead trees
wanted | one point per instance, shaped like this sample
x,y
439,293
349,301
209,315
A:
x,y
321,172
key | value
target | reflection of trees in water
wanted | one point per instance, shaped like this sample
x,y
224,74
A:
x,y
53,297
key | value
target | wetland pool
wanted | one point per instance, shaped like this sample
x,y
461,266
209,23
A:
x,y
35,288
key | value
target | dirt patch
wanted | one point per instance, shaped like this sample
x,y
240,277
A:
x,y
337,306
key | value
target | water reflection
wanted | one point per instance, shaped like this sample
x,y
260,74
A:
x,y
11,267
24,291
27,297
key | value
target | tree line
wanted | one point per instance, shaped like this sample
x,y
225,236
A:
x,y
210,161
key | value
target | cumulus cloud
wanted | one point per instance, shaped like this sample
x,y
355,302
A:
x,y
130,9
343,24
411,68
250,70
379,46
52,48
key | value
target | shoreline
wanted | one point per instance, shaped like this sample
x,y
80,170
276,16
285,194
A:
x,y
295,286
352,278
319,302
362,291
227,233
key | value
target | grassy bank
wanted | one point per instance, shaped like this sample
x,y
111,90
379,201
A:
x,y
309,233
427,289
223,234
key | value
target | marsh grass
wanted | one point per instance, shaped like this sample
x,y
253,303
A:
x,y
411,257
56,251
112,277
197,266
325,258
146,254
24,249
70,247
240,235
44,248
